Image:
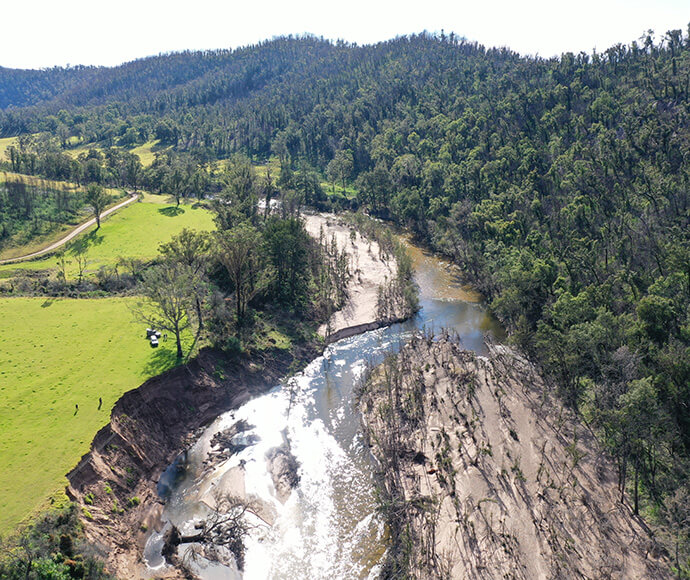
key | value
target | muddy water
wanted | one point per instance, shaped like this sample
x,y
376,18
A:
x,y
328,528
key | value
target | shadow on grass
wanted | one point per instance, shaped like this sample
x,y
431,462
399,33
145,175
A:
x,y
47,303
160,147
171,211
161,360
83,243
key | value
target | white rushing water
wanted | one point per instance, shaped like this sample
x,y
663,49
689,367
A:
x,y
329,527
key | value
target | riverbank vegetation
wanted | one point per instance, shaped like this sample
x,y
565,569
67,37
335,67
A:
x,y
52,548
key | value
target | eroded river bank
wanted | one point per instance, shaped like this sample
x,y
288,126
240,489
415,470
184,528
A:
x,y
329,526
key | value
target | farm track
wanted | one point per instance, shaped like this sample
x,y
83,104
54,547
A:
x,y
73,234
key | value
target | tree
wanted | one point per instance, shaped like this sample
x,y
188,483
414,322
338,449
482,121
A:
x,y
190,249
238,251
170,289
80,253
133,171
340,167
175,182
98,199
225,527
676,513
287,247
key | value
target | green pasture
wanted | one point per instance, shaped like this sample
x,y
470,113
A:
x,y
55,354
4,144
135,231
147,151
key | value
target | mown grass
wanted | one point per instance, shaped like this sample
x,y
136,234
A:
x,y
135,231
55,354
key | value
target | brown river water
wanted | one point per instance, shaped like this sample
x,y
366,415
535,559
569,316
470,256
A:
x,y
329,527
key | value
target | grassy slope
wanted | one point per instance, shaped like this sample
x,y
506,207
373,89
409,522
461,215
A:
x,y
59,231
55,354
58,353
135,231
4,144
146,151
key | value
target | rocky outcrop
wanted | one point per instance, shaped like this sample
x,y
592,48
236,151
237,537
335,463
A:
x,y
283,467
484,475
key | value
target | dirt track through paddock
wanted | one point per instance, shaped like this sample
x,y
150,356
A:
x,y
73,234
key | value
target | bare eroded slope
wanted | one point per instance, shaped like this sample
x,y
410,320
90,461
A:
x,y
485,476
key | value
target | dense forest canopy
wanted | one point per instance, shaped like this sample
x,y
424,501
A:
x,y
561,186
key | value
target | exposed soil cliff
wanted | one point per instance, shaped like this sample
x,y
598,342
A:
x,y
116,482
485,476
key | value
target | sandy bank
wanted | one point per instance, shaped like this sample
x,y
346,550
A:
x,y
486,477
368,271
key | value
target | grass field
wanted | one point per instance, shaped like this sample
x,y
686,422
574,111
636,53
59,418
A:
x,y
147,151
4,144
75,152
55,354
13,248
135,231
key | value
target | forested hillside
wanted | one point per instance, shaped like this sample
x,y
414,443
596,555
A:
x,y
560,186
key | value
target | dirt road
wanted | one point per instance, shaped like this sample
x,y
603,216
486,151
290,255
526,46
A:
x,y
73,234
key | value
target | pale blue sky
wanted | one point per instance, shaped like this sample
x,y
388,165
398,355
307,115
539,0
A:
x,y
42,33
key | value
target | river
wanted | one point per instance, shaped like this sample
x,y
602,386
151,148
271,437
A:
x,y
329,526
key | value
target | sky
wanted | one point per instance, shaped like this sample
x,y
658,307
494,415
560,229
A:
x,y
45,33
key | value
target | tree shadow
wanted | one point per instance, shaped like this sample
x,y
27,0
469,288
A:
x,y
47,303
83,243
156,147
171,211
161,360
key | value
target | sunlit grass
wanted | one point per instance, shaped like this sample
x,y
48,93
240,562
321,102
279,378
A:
x,y
55,354
147,151
135,231
4,144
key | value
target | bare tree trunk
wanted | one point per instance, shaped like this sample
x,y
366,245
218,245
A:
x,y
178,341
636,502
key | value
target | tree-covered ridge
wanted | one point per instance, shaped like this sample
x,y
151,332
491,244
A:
x,y
561,186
